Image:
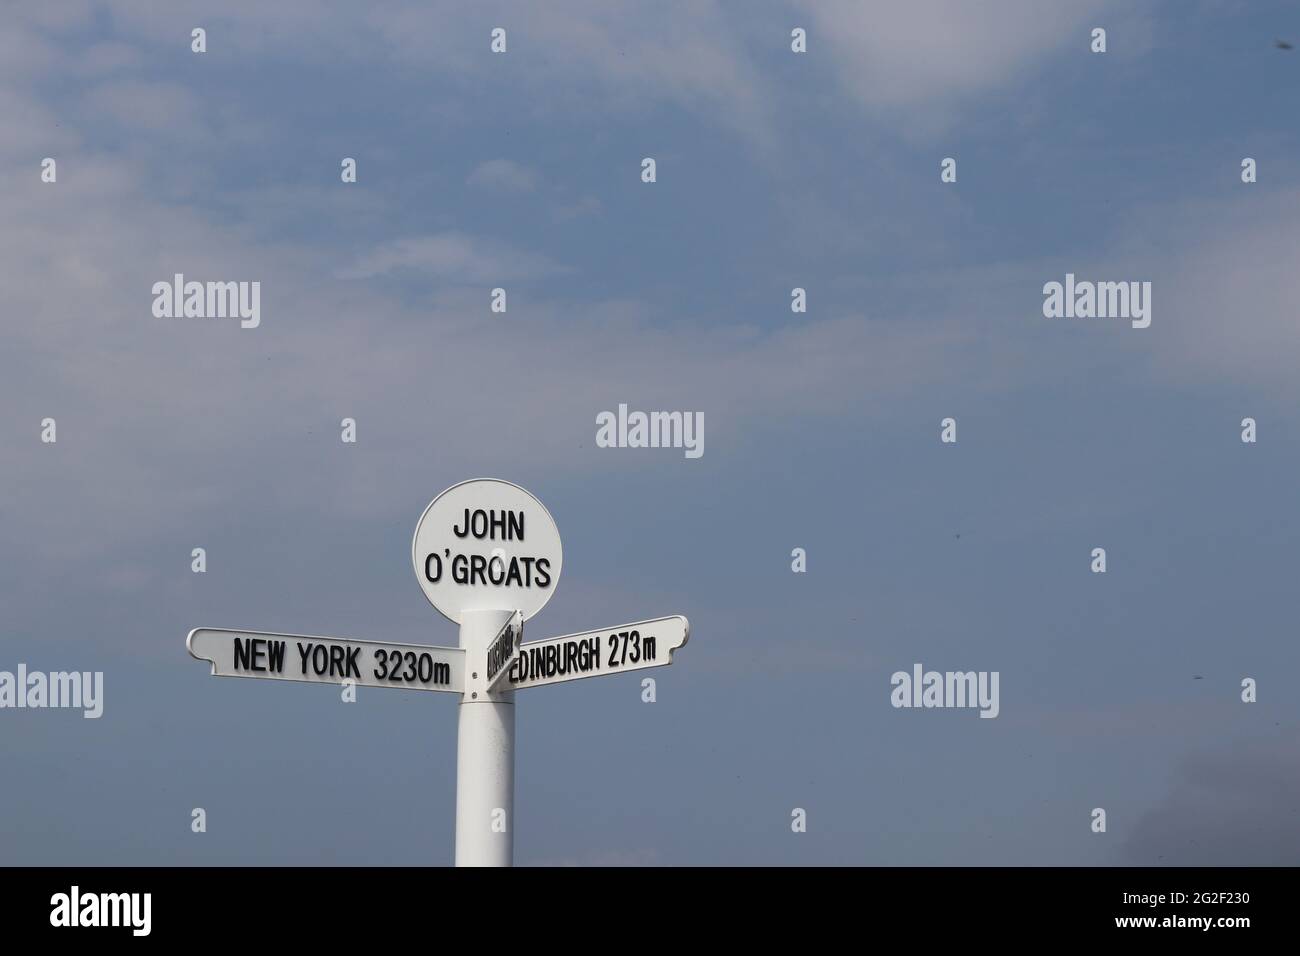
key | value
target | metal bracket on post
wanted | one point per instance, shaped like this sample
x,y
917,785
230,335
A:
x,y
486,670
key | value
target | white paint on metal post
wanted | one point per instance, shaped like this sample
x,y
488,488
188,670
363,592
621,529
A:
x,y
485,755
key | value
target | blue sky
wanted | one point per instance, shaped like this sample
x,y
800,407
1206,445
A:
x,y
775,170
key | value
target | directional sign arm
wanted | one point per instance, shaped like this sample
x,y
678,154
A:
x,y
328,660
610,650
501,652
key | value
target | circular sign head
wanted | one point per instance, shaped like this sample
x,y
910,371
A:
x,y
487,544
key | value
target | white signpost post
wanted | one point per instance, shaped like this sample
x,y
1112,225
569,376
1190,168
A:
x,y
488,556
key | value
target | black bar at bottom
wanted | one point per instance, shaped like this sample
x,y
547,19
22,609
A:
x,y
385,906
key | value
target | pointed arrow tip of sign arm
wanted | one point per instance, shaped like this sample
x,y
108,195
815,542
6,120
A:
x,y
686,635
189,646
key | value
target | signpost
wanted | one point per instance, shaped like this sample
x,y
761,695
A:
x,y
488,556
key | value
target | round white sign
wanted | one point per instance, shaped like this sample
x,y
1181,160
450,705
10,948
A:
x,y
487,544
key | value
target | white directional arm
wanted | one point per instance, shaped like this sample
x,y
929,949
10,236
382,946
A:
x,y
610,650
328,660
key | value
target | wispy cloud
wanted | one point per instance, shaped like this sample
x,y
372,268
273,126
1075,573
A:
x,y
939,54
1238,807
503,175
453,256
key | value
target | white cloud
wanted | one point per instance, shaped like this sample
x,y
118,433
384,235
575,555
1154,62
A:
x,y
168,414
454,256
42,132
585,206
156,107
685,51
918,63
938,54
503,175
446,378
108,58
1227,303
